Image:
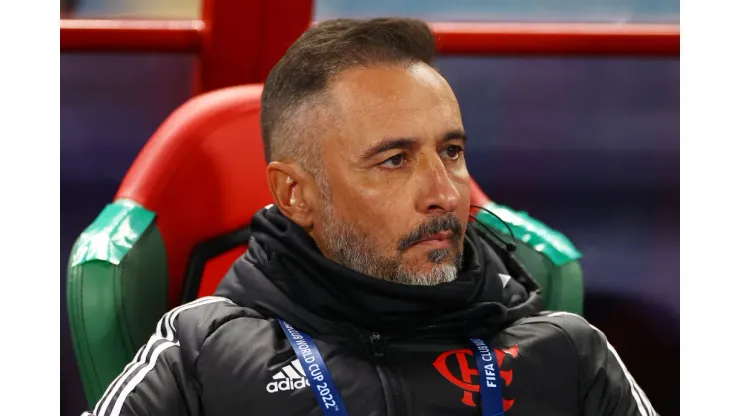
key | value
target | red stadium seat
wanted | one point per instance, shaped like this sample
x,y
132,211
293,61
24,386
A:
x,y
181,216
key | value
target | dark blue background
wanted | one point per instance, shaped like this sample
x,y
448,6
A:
x,y
431,10
590,146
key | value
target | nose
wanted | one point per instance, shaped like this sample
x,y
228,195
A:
x,y
438,193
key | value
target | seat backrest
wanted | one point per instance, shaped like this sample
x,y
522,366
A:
x,y
180,218
202,173
192,188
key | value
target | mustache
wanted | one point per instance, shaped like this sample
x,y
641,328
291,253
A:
x,y
447,222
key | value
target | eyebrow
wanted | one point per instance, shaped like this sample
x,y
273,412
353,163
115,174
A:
x,y
407,143
389,144
457,134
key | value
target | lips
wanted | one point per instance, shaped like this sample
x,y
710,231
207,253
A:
x,y
440,240
441,236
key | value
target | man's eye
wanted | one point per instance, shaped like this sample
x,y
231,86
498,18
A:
x,y
394,161
452,152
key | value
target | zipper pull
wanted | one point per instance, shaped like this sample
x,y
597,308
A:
x,y
378,344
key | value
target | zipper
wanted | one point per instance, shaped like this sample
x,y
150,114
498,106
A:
x,y
377,344
389,380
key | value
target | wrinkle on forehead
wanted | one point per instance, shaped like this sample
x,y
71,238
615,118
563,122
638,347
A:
x,y
364,97
370,89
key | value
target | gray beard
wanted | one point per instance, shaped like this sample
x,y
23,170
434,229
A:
x,y
350,248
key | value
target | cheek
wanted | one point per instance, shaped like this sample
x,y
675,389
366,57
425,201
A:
x,y
463,207
461,178
375,214
363,197
379,211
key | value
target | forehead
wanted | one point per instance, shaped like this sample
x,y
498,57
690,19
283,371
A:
x,y
372,103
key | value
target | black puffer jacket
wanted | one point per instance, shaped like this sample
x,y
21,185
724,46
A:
x,y
391,349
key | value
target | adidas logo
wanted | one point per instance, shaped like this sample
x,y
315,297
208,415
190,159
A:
x,y
290,377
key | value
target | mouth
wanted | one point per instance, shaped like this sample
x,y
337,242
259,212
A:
x,y
439,240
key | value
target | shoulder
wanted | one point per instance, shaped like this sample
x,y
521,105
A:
x,y
567,321
582,340
195,322
577,330
566,342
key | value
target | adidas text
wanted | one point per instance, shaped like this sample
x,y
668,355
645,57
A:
x,y
286,384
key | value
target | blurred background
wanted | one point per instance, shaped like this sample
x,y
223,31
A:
x,y
587,144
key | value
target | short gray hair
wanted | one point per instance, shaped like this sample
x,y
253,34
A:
x,y
297,85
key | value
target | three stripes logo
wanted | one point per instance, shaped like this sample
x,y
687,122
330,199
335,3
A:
x,y
290,377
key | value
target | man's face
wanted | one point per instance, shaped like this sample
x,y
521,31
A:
x,y
395,187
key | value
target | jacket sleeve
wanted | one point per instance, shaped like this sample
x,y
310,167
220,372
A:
x,y
154,383
607,387
159,380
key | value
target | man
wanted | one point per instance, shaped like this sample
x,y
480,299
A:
x,y
364,290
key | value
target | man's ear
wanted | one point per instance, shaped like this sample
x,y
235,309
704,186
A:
x,y
295,192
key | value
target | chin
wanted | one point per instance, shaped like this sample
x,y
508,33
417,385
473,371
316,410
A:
x,y
432,274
